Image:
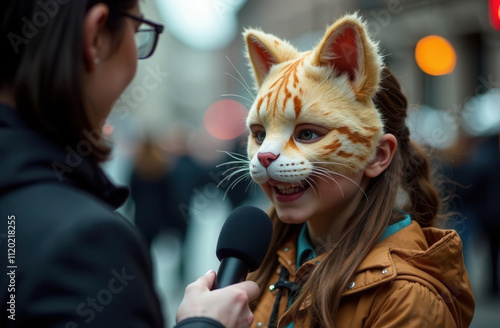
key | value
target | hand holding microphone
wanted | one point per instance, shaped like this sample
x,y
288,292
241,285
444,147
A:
x,y
242,245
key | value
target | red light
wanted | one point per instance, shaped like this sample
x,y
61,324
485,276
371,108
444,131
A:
x,y
225,119
494,10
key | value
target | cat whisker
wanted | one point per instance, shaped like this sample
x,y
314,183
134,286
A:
x,y
309,180
235,168
328,172
234,183
241,178
234,155
239,170
241,162
331,178
312,180
223,180
238,96
320,175
236,171
246,86
225,194
250,183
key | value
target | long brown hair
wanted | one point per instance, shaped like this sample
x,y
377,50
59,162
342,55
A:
x,y
409,174
41,63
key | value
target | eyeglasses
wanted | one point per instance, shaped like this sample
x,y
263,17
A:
x,y
146,38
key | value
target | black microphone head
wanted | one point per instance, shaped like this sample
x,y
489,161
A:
x,y
246,235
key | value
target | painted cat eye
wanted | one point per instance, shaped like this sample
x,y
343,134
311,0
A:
x,y
260,136
258,133
309,133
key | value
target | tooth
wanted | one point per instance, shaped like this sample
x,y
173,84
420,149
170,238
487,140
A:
x,y
290,190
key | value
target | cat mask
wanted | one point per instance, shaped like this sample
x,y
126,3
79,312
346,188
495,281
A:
x,y
314,108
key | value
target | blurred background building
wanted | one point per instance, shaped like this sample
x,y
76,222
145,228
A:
x,y
184,113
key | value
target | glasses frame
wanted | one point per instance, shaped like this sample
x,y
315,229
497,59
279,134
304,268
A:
x,y
158,28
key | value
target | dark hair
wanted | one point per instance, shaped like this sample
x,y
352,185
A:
x,y
42,65
418,181
409,172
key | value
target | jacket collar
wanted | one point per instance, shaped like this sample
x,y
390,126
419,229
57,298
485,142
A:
x,y
430,256
30,157
381,265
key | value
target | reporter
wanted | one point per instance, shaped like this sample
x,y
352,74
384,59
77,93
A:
x,y
63,64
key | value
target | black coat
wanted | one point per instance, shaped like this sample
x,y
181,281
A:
x,y
77,263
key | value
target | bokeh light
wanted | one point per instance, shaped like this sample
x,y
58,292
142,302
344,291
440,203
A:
x,y
481,115
435,55
225,119
107,129
494,10
202,24
428,126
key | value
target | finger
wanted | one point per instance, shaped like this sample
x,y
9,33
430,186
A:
x,y
250,288
207,280
203,283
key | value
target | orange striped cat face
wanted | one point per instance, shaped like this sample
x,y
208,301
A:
x,y
314,110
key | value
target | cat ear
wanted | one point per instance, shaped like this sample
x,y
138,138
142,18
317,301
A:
x,y
265,50
347,49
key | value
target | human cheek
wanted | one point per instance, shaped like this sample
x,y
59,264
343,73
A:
x,y
268,190
343,187
132,54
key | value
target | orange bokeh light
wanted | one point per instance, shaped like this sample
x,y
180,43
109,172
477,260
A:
x,y
435,55
225,119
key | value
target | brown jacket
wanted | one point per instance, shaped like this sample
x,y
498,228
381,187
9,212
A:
x,y
414,278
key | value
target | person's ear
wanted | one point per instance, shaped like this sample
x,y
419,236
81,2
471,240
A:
x,y
95,38
385,152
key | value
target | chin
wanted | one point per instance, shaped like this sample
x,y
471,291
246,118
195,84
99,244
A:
x,y
291,215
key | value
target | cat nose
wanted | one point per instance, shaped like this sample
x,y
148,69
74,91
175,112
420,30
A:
x,y
266,158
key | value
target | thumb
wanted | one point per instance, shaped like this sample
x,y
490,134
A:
x,y
250,288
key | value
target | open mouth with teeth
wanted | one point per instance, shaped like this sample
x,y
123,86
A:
x,y
286,191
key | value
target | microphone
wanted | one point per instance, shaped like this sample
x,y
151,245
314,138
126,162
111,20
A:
x,y
242,245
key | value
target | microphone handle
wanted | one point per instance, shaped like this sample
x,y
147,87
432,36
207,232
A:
x,y
231,271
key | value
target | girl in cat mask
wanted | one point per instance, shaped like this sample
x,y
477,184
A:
x,y
354,208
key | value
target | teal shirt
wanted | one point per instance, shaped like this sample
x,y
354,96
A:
x,y
305,251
